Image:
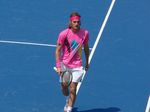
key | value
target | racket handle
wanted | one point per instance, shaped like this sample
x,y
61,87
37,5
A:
x,y
55,69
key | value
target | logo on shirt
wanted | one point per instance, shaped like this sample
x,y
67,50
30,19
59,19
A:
x,y
74,44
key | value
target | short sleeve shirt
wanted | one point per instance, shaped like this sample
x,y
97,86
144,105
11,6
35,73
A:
x,y
72,46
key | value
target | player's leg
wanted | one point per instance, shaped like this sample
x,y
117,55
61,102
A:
x,y
77,74
64,89
72,96
65,92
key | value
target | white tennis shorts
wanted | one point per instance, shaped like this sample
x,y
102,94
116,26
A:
x,y
77,73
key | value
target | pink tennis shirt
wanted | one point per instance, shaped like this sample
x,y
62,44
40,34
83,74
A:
x,y
72,46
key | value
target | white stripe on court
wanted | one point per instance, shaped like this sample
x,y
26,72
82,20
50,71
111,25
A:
x,y
97,39
148,105
28,43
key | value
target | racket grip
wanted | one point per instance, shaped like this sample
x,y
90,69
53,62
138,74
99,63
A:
x,y
55,69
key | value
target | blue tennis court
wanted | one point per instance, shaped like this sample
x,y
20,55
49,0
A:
x,y
118,79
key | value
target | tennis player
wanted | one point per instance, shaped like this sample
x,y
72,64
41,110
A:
x,y
69,56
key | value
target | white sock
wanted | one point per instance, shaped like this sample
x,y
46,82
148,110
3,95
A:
x,y
69,109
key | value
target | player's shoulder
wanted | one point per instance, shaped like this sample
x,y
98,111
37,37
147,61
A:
x,y
64,32
85,31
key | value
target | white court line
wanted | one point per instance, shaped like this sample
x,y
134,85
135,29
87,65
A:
x,y
98,38
28,43
148,105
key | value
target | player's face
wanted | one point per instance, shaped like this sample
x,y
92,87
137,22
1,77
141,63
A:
x,y
75,25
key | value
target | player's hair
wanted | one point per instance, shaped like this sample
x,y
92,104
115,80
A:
x,y
71,15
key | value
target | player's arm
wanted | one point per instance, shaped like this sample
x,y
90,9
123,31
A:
x,y
86,50
58,60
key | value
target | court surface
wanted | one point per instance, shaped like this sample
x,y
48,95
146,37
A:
x,y
119,76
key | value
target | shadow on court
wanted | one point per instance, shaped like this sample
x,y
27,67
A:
x,y
111,109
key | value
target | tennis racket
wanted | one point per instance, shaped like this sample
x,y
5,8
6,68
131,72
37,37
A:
x,y
66,77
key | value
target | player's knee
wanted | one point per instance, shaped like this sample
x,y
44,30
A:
x,y
65,91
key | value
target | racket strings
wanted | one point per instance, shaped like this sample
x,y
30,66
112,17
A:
x,y
67,77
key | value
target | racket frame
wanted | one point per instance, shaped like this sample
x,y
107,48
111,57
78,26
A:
x,y
70,80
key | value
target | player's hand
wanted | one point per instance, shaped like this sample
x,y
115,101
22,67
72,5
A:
x,y
59,71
